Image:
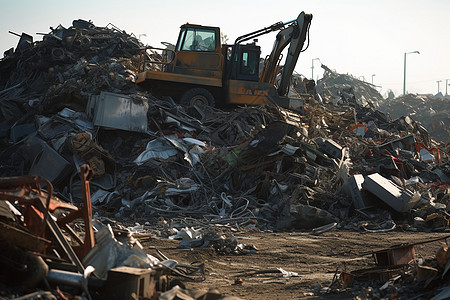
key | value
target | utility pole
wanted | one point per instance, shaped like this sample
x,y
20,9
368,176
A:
x,y
446,86
438,82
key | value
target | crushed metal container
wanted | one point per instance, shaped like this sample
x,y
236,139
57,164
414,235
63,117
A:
x,y
399,199
134,283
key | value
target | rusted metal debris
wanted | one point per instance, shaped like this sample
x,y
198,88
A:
x,y
31,229
403,273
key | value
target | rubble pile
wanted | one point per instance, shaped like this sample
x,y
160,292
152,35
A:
x,y
66,66
342,88
69,105
431,111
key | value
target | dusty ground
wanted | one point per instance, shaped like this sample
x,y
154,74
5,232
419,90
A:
x,y
314,258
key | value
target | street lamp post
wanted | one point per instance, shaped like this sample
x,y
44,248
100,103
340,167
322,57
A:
x,y
372,77
404,70
446,86
312,67
438,82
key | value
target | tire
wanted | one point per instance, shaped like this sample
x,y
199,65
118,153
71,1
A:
x,y
197,96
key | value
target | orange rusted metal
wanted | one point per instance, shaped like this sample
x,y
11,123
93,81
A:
x,y
180,78
37,203
199,68
248,92
199,63
26,190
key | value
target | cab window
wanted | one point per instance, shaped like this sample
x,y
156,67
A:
x,y
181,39
249,63
198,40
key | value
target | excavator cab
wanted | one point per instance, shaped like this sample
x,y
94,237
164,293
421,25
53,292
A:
x,y
242,74
198,52
197,38
242,61
192,72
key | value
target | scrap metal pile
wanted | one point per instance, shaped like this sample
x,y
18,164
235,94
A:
x,y
62,69
70,101
342,88
431,111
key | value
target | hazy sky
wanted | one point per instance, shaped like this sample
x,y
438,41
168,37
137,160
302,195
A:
x,y
357,37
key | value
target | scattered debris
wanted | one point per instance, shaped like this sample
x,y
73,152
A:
x,y
404,274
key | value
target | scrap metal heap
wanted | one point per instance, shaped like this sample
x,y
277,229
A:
x,y
69,101
431,111
66,66
344,88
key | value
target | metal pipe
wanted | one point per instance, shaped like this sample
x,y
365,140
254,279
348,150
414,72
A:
x,y
259,32
72,279
10,88
16,34
65,278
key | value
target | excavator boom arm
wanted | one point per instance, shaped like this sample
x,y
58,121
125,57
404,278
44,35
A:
x,y
297,41
259,32
295,35
282,40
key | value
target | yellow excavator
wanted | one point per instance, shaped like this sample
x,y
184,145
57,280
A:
x,y
201,71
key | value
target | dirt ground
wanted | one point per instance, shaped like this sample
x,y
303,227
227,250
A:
x,y
314,258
